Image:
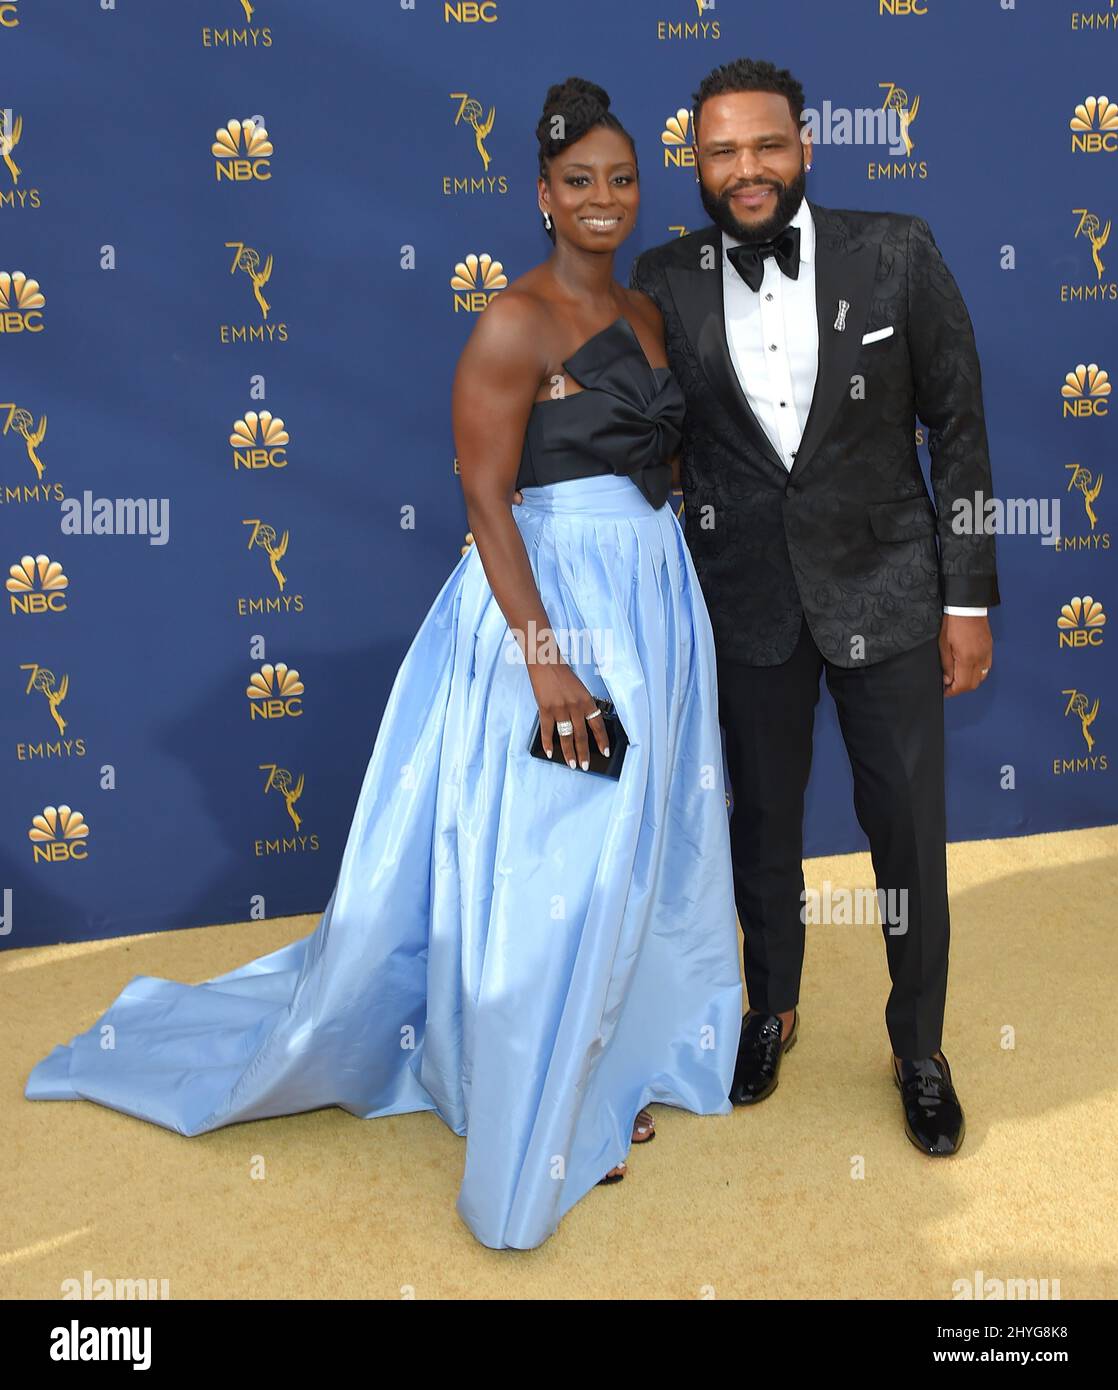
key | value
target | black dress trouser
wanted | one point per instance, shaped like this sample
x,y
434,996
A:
x,y
891,716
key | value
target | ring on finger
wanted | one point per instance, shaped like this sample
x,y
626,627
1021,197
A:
x,y
596,715
565,727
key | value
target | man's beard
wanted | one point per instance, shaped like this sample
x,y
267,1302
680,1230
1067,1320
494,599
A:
x,y
788,200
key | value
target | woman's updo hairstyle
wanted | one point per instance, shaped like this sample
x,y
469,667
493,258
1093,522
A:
x,y
582,105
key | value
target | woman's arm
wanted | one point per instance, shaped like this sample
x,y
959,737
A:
x,y
495,384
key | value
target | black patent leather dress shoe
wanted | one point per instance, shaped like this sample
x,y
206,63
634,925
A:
x,y
933,1116
759,1053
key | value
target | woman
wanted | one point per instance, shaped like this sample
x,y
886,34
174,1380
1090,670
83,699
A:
x,y
527,948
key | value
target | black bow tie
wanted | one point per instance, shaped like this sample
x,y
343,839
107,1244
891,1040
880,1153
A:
x,y
748,260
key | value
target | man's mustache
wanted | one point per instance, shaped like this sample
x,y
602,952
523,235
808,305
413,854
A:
x,y
757,183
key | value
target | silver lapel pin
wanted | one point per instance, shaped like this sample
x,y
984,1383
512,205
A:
x,y
840,321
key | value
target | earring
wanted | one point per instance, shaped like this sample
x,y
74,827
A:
x,y
547,220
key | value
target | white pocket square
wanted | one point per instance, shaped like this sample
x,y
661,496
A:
x,y
878,333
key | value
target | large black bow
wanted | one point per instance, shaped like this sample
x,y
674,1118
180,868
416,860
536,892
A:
x,y
748,260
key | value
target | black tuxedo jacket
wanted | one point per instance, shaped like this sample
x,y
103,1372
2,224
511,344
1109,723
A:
x,y
848,538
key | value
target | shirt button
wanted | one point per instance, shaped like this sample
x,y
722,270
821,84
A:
x,y
783,403
769,295
772,347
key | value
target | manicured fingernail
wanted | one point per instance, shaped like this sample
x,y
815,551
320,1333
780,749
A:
x,y
586,767
605,752
548,752
573,763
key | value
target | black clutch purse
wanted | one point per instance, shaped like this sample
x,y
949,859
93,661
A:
x,y
616,740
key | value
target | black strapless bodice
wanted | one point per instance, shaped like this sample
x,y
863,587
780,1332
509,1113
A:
x,y
627,419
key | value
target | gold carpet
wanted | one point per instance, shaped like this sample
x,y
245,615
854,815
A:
x,y
765,1202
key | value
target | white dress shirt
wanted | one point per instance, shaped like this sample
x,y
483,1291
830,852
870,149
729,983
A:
x,y
773,337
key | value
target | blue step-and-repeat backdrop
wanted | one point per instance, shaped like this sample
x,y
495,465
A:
x,y
241,246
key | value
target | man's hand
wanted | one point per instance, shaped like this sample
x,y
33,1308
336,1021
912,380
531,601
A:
x,y
966,652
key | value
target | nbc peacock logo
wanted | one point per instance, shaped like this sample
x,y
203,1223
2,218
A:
x,y
675,138
256,269
242,151
1080,623
1094,126
21,303
266,540
273,692
1086,392
58,834
259,442
37,585
475,281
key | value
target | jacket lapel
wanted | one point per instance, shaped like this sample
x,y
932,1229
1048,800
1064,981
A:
x,y
698,298
844,271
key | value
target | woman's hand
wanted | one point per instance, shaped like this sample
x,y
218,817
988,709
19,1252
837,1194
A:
x,y
561,695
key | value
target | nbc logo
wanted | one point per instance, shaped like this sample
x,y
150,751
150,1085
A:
x,y
475,281
1086,391
273,692
36,586
1094,127
1081,622
676,140
242,151
258,441
21,302
58,834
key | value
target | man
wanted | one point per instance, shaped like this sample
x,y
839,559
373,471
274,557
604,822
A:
x,y
807,340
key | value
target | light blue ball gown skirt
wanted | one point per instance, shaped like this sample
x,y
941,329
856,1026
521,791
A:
x,y
534,953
